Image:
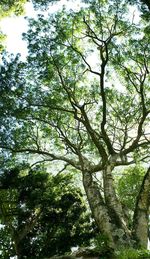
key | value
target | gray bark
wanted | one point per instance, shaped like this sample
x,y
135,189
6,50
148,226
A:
x,y
107,211
98,208
121,234
141,213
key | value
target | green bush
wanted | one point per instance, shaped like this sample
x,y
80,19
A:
x,y
101,243
131,253
127,254
144,254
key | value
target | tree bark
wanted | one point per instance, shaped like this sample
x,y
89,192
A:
x,y
98,207
17,249
121,232
107,211
141,213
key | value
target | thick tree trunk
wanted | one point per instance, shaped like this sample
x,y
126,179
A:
x,y
108,213
98,207
141,214
107,209
121,233
17,250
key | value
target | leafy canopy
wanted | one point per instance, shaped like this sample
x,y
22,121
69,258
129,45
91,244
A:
x,y
63,106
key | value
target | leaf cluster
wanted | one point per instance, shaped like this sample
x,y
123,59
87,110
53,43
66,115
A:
x,y
62,221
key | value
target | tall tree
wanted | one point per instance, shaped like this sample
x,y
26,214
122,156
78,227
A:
x,y
82,101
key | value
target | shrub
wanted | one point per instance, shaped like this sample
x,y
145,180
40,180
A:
x,y
131,253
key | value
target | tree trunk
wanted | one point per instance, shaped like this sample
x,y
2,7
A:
x,y
108,213
141,213
17,249
122,235
98,207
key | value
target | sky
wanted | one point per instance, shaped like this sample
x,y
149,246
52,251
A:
x,y
14,27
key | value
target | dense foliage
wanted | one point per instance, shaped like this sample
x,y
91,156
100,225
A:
x,y
42,215
129,185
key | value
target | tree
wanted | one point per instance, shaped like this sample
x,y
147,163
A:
x,y
41,217
93,117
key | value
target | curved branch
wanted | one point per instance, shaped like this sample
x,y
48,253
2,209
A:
x,y
53,157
